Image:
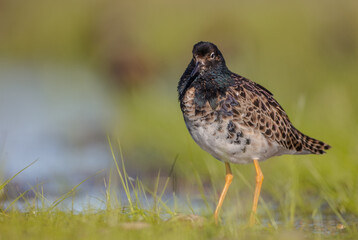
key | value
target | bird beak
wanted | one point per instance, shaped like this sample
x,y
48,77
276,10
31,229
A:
x,y
196,69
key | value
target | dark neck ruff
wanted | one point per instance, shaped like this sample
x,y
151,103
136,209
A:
x,y
208,87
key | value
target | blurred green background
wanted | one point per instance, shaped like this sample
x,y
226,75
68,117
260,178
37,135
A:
x,y
72,72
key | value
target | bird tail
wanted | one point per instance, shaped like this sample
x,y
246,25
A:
x,y
312,145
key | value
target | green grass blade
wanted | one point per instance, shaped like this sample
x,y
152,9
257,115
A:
x,y
123,180
8,180
68,194
15,200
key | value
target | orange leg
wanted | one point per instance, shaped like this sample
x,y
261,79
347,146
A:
x,y
228,180
259,179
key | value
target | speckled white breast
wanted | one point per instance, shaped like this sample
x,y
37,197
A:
x,y
247,145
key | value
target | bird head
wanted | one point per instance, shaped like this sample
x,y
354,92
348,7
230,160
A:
x,y
206,57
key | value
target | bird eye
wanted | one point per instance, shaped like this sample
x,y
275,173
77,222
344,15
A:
x,y
212,55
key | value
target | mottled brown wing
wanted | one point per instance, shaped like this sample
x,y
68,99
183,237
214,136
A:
x,y
254,106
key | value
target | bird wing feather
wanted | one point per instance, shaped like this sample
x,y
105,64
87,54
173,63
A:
x,y
253,105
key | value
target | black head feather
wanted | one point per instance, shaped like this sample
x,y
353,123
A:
x,y
205,48
207,73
